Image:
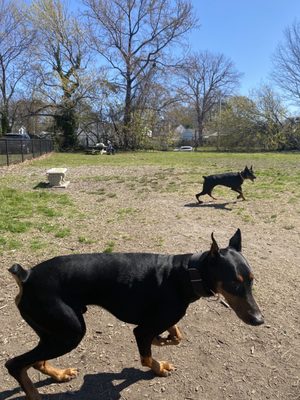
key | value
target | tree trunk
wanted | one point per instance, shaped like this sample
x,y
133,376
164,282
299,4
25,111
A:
x,y
199,128
127,115
67,123
5,126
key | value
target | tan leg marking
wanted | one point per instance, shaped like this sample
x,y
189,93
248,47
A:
x,y
174,338
160,368
59,375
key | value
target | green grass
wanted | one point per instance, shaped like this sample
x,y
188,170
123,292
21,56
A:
x,y
85,240
9,244
19,207
170,159
62,233
110,246
122,213
37,244
24,212
33,218
276,172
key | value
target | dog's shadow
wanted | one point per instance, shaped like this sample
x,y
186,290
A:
x,y
217,206
103,386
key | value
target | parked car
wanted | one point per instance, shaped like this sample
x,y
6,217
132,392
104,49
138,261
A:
x,y
184,148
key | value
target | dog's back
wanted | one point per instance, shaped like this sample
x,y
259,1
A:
x,y
229,179
125,284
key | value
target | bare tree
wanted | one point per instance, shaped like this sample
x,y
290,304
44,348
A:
x,y
270,105
61,65
15,42
205,79
133,37
286,62
272,115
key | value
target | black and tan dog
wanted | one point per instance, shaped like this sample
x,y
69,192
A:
x,y
233,180
151,291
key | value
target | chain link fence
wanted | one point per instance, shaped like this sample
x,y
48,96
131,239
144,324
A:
x,y
13,151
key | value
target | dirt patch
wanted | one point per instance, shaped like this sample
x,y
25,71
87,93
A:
x,y
153,209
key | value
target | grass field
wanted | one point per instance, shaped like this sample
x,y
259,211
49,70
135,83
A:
x,y
27,208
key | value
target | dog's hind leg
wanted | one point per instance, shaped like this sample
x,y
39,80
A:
x,y
59,334
203,193
198,195
207,189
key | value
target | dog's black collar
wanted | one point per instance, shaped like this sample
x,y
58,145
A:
x,y
199,286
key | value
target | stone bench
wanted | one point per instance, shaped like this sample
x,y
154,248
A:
x,y
56,177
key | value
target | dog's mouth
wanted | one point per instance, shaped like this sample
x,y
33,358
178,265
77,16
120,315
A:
x,y
254,320
248,318
246,310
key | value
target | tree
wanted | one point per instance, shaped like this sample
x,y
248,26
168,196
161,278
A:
x,y
271,114
286,62
237,123
133,38
61,65
252,123
205,79
16,40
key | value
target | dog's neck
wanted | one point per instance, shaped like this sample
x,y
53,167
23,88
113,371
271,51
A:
x,y
242,175
199,286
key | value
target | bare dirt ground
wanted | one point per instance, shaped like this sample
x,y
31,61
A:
x,y
220,357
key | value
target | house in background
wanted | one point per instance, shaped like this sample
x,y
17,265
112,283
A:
x,y
186,136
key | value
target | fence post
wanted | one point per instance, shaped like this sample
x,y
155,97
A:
x,y
22,149
32,147
7,157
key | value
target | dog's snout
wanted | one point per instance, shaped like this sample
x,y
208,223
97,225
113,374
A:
x,y
256,320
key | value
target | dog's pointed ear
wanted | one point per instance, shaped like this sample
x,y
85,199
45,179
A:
x,y
236,241
214,249
251,169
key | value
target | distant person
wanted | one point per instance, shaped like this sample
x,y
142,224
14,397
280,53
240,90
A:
x,y
110,149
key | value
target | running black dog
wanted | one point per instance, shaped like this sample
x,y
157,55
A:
x,y
151,291
233,180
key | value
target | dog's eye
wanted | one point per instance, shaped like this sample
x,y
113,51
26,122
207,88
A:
x,y
236,287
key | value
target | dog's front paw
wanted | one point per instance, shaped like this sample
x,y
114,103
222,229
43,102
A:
x,y
67,374
162,368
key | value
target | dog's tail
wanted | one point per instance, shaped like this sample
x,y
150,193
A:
x,y
19,273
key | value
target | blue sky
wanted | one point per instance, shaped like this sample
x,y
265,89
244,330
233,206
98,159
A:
x,y
246,31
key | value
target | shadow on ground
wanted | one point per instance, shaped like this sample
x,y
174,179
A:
x,y
42,185
103,386
217,206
